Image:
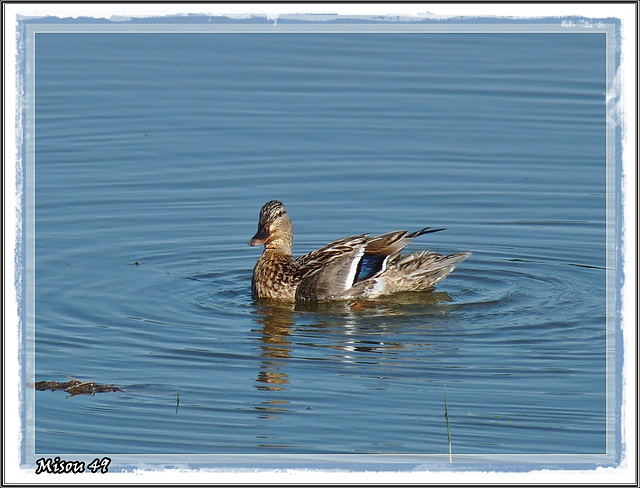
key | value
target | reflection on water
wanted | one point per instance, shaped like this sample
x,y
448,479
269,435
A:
x,y
397,304
358,333
277,321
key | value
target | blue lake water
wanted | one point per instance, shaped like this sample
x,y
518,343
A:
x,y
153,156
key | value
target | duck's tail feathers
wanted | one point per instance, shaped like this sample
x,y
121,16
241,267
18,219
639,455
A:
x,y
419,271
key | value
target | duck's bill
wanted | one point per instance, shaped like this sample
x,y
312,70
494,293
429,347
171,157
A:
x,y
256,242
259,238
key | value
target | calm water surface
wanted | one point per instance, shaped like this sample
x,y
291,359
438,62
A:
x,y
154,154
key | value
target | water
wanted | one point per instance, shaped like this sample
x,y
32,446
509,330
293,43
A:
x,y
154,154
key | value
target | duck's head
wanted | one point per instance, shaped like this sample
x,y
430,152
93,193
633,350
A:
x,y
274,227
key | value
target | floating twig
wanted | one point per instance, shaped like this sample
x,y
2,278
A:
x,y
75,386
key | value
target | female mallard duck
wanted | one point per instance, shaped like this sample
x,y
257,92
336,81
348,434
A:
x,y
352,267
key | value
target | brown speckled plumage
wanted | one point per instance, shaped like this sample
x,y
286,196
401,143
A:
x,y
335,271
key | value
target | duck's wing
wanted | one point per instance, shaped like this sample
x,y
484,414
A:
x,y
327,272
384,247
346,267
394,242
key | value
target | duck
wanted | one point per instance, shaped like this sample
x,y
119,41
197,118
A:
x,y
354,267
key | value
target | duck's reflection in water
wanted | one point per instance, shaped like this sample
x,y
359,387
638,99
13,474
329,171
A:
x,y
277,319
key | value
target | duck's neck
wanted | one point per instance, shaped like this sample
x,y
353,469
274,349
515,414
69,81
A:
x,y
279,246
280,239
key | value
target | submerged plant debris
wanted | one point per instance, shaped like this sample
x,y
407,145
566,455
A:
x,y
75,386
